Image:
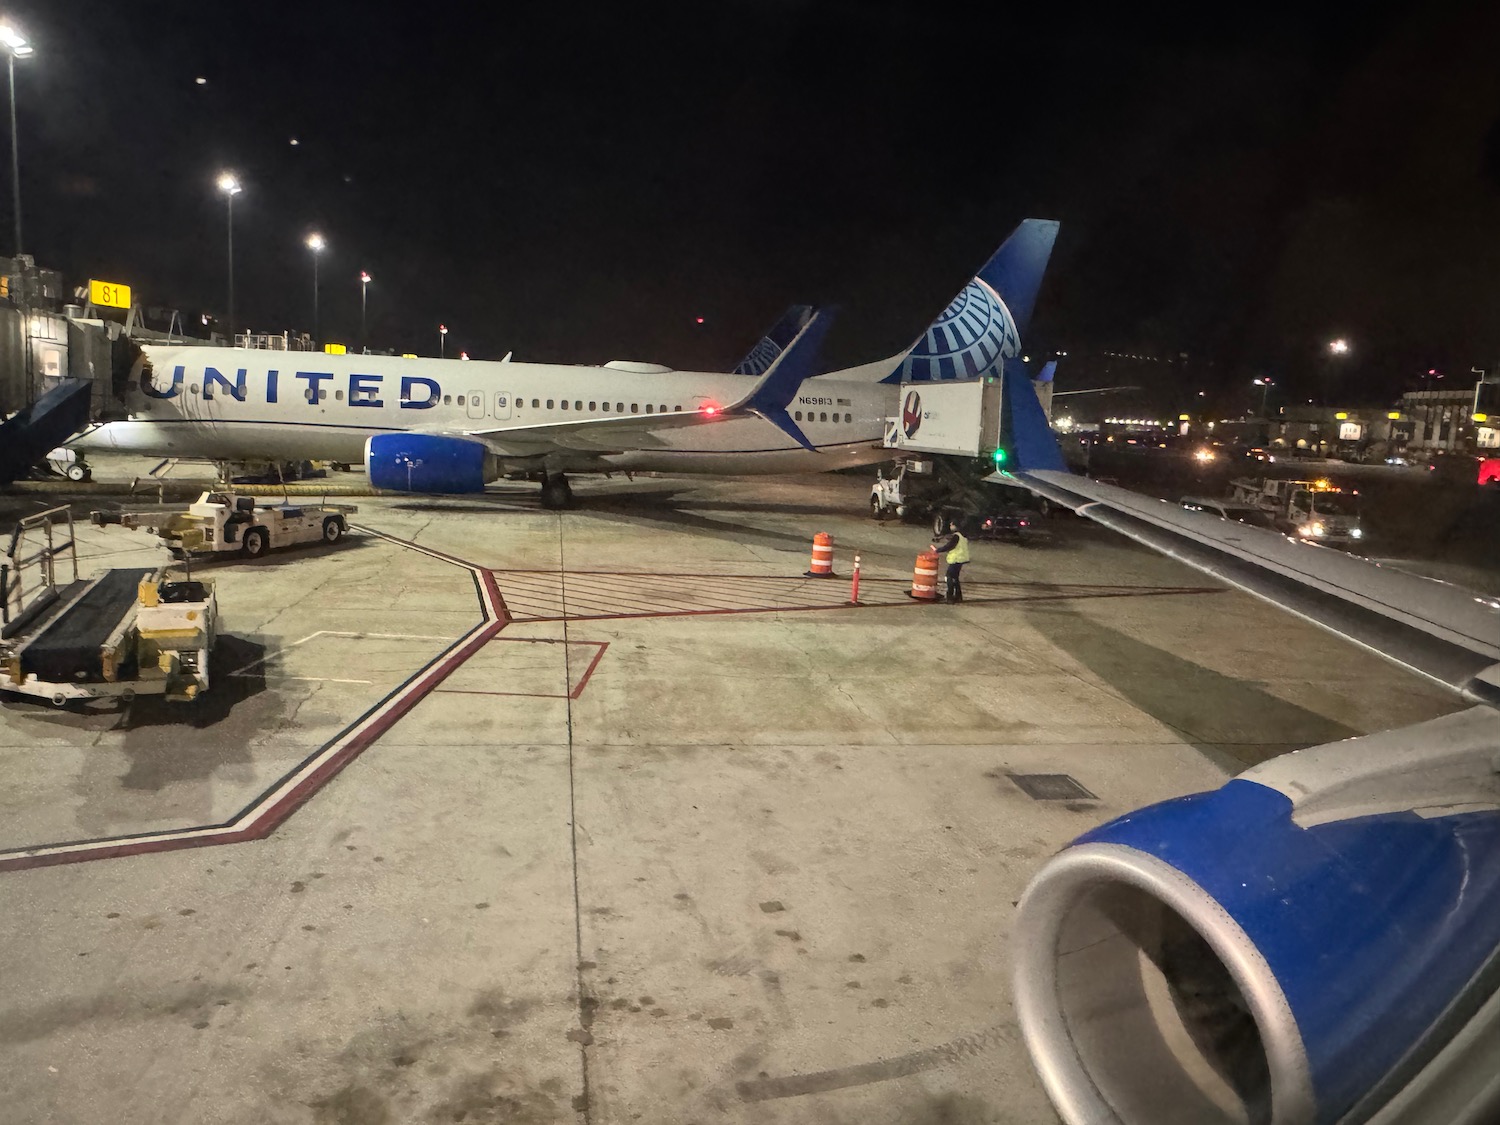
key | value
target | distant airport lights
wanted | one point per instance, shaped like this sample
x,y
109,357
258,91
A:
x,y
1339,346
229,184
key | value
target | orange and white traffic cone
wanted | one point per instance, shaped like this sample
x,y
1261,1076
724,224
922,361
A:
x,y
924,577
822,556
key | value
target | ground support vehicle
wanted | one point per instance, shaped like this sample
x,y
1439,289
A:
x,y
938,491
69,463
220,522
124,633
1315,510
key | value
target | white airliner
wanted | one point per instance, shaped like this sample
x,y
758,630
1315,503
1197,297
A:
x,y
425,425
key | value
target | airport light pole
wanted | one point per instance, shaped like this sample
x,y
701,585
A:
x,y
230,186
364,285
442,340
1265,386
316,244
16,47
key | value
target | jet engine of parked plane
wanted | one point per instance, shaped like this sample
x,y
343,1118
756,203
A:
x,y
434,463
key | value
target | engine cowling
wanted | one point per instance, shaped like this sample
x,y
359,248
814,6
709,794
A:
x,y
414,462
1296,947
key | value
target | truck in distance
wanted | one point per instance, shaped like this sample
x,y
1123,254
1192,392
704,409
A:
x,y
1315,510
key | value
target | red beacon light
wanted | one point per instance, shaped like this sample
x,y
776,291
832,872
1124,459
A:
x,y
710,409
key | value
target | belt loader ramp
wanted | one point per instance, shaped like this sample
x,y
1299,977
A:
x,y
127,632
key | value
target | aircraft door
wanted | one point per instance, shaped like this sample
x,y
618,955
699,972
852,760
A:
x,y
502,405
476,404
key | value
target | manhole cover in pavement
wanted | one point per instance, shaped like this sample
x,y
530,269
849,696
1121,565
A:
x,y
1051,787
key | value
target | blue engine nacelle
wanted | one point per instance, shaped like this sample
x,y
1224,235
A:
x,y
1303,945
414,462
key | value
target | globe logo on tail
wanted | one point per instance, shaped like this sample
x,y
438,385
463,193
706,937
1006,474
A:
x,y
970,340
911,413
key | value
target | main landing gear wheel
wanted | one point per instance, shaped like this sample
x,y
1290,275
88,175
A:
x,y
256,543
556,492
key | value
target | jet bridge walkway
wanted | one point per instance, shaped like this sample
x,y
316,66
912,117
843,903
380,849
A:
x,y
32,432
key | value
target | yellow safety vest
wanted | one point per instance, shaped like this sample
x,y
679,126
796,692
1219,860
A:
x,y
960,552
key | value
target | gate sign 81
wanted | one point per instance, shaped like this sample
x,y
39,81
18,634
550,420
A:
x,y
109,294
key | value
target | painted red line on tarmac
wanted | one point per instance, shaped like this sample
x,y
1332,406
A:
x,y
259,820
589,671
599,646
1134,593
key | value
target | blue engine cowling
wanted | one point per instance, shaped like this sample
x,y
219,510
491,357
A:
x,y
1240,956
414,462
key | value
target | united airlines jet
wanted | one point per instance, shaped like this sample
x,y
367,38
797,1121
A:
x,y
425,425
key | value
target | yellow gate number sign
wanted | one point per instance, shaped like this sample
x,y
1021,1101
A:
x,y
110,294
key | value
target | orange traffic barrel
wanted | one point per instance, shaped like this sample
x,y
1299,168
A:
x,y
924,578
822,556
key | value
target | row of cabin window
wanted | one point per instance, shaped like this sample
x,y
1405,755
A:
x,y
314,396
822,417
577,404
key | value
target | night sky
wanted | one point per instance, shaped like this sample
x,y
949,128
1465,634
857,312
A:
x,y
579,183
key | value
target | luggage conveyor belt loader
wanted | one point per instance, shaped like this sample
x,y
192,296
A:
x,y
126,632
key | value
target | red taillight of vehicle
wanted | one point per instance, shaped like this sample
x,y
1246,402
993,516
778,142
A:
x,y
1025,523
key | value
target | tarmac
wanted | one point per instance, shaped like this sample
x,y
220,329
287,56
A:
x,y
493,814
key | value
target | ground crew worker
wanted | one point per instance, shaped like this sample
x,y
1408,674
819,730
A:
x,y
957,548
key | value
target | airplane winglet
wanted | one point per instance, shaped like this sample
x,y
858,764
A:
x,y
1033,444
778,417
770,396
775,341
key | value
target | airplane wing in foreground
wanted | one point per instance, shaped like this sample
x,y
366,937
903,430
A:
x,y
1444,632
1318,940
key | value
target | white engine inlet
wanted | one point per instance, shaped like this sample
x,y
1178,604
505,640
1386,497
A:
x,y
1144,1003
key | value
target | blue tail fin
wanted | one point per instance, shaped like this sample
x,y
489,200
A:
x,y
774,342
1048,370
984,323
1024,428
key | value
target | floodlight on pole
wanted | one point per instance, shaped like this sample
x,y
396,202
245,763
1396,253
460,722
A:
x,y
364,285
1339,346
316,244
1265,384
16,47
229,184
